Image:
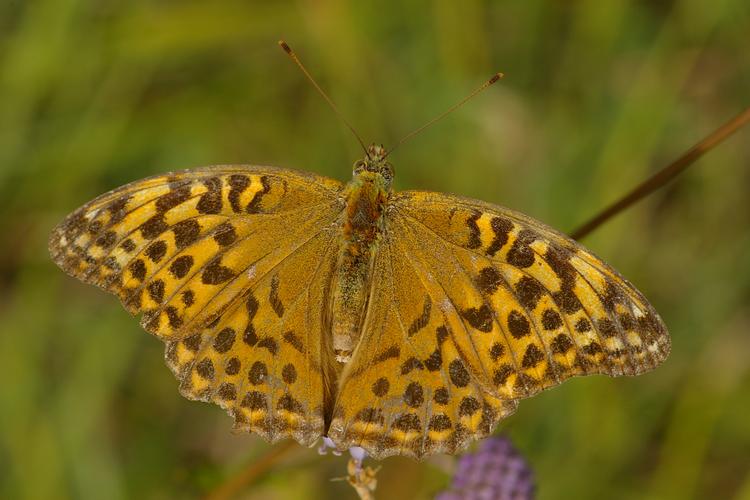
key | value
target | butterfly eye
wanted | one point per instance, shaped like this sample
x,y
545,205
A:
x,y
359,165
387,172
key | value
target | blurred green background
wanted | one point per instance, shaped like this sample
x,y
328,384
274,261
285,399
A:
x,y
96,93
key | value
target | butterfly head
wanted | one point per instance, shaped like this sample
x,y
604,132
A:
x,y
374,167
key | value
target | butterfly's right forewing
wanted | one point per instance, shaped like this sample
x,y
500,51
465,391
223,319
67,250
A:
x,y
231,267
582,315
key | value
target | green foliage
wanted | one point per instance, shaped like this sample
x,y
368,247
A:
x,y
94,94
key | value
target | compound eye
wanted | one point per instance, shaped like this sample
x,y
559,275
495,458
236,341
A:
x,y
359,165
388,172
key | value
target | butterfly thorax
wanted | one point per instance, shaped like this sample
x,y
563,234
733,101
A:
x,y
366,198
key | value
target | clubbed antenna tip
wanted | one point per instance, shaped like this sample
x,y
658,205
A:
x,y
494,78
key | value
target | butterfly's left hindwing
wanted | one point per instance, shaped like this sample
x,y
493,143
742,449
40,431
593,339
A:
x,y
473,307
230,266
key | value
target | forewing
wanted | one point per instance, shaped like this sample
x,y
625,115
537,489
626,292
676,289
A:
x,y
481,306
229,266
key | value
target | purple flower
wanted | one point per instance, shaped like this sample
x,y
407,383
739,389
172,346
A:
x,y
496,471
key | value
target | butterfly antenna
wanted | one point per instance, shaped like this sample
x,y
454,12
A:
x,y
495,78
296,60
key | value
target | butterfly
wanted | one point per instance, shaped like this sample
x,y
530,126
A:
x,y
406,323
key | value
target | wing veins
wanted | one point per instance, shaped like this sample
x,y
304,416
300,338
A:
x,y
429,407
190,177
463,323
608,365
620,331
157,269
109,225
568,325
204,237
275,389
252,286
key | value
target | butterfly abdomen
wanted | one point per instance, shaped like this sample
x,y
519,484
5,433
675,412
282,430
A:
x,y
366,197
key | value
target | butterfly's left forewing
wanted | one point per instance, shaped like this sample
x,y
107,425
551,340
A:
x,y
473,307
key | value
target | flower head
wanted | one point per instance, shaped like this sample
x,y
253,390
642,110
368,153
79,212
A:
x,y
495,471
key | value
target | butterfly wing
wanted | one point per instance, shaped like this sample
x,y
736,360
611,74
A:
x,y
473,307
230,266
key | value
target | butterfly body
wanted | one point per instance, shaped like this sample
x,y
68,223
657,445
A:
x,y
403,322
363,224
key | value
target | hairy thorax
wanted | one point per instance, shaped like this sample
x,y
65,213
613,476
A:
x,y
363,225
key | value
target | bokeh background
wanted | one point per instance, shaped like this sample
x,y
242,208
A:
x,y
97,93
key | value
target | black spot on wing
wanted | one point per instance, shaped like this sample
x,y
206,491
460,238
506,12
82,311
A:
x,y
254,400
501,227
273,297
270,344
380,387
469,406
257,373
254,205
156,291
518,325
215,274
391,352
551,320
407,422
205,368
532,356
440,422
458,373
441,396
237,185
154,227
288,403
500,377
474,234
489,280
421,321
529,291
224,340
117,208
181,266
173,198
295,341
413,395
225,234
411,364
479,318
156,250
289,374
561,344
138,269
520,254
186,232
106,240
210,201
